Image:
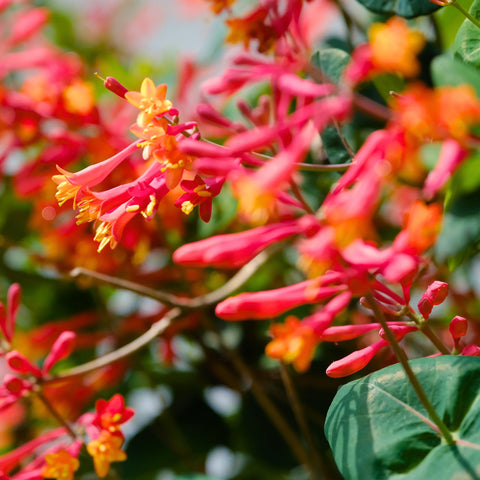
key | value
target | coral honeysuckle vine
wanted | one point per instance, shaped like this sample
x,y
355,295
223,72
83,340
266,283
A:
x,y
292,208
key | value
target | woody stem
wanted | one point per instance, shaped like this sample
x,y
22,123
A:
x,y
412,378
56,414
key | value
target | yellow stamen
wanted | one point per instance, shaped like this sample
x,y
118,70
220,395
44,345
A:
x,y
187,207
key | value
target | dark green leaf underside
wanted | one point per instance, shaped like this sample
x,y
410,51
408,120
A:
x,y
403,8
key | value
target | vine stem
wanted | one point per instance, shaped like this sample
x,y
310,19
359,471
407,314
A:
x,y
156,329
302,422
56,414
270,409
428,332
183,302
465,13
402,358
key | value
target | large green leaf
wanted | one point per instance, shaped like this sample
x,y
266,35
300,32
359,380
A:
x,y
447,70
378,429
467,41
460,228
403,8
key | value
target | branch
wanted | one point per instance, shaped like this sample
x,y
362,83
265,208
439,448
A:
x,y
155,330
186,303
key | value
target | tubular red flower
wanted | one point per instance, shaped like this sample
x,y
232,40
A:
x,y
61,349
347,332
451,156
236,249
458,327
355,361
269,304
20,364
435,294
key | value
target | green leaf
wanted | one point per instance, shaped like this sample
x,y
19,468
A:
x,y
447,70
467,41
449,21
378,429
331,62
460,228
403,8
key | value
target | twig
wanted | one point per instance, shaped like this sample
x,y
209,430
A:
x,y
427,331
311,167
56,414
299,196
156,329
302,422
186,303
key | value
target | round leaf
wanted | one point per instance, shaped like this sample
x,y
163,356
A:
x,y
378,428
467,41
403,8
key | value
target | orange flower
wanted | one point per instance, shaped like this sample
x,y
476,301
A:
x,y
423,225
60,465
105,449
218,6
437,114
78,98
252,27
150,100
394,47
293,343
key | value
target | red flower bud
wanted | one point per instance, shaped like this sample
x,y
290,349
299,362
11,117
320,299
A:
x,y
435,294
355,361
458,327
61,349
115,86
20,364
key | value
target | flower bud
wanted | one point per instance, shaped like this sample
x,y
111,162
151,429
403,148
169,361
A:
x,y
435,294
458,327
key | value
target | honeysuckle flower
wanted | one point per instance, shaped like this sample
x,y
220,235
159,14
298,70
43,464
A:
x,y
13,459
421,227
293,342
395,47
218,6
392,48
252,27
70,185
437,114
458,329
61,349
435,294
355,361
106,449
236,249
8,314
20,364
451,156
199,192
112,413
151,101
269,304
60,465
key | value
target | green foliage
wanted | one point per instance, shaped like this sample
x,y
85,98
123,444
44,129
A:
x,y
448,70
460,230
467,41
403,8
377,427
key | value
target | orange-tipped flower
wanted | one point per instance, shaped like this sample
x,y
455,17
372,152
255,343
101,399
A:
x,y
106,449
395,47
293,342
60,465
